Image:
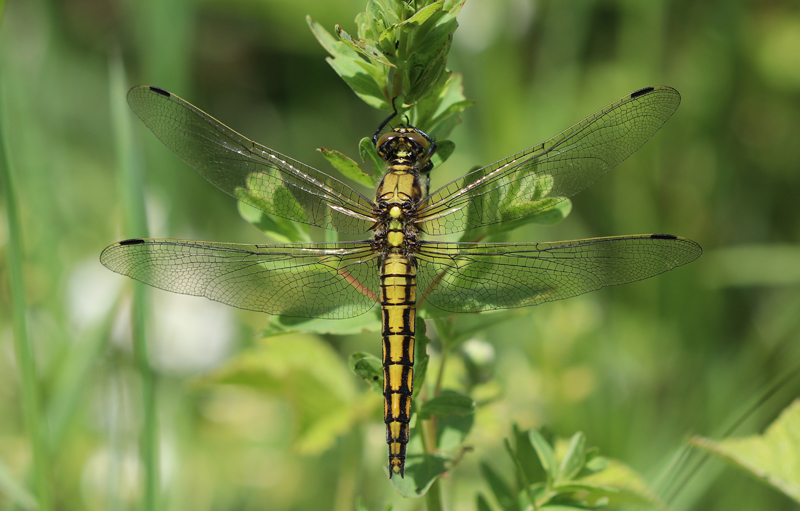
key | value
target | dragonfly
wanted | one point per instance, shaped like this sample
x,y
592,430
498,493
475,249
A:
x,y
393,266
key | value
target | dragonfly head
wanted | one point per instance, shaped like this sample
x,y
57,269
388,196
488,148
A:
x,y
407,142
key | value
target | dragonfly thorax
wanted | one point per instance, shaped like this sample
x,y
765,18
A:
x,y
408,151
396,199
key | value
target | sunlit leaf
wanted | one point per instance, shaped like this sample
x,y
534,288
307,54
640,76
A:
x,y
621,485
574,458
363,47
347,167
279,229
773,457
363,77
328,41
423,14
310,375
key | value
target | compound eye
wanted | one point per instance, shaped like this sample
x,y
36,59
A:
x,y
387,137
418,139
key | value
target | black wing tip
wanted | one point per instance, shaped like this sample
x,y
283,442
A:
x,y
160,92
663,237
642,92
132,241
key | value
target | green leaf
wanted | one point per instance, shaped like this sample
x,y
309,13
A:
x,y
328,42
279,229
420,473
545,453
423,14
368,152
502,492
773,458
387,40
281,325
369,368
426,56
444,149
468,325
421,357
525,201
595,463
347,167
365,80
452,431
363,47
552,215
446,404
481,504
438,113
360,506
573,459
400,52
258,181
366,26
526,455
630,487
310,375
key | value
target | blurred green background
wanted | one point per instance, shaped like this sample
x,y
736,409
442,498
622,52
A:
x,y
638,368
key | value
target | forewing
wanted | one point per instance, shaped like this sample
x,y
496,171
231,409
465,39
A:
x,y
474,277
252,173
536,179
319,280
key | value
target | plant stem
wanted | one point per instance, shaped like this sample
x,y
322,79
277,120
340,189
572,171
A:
x,y
31,401
149,435
434,496
131,190
445,334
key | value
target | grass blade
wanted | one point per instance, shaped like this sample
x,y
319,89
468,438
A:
x,y
31,401
131,190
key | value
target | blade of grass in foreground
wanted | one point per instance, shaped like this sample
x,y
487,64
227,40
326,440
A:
x,y
129,179
14,491
31,402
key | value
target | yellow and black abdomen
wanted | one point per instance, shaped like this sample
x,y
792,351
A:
x,y
398,306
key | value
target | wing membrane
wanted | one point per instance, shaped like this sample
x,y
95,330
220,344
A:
x,y
249,171
539,177
320,280
474,277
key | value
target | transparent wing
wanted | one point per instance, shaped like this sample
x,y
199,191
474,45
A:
x,y
539,177
320,280
252,173
474,277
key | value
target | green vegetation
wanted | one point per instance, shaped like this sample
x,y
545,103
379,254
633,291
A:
x,y
240,410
